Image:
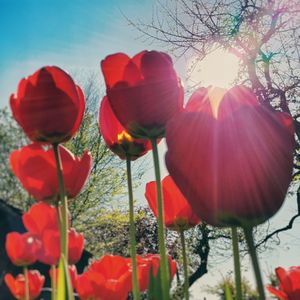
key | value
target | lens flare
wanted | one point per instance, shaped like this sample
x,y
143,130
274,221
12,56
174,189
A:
x,y
219,68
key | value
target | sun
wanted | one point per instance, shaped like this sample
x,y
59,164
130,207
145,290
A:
x,y
219,68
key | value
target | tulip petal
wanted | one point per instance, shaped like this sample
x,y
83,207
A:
x,y
113,68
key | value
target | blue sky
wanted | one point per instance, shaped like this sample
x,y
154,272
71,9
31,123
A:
x,y
70,34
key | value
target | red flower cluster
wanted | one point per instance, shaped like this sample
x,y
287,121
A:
x,y
238,156
289,284
229,156
110,277
42,241
48,105
144,91
17,285
35,168
177,211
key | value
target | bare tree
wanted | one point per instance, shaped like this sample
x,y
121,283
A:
x,y
263,34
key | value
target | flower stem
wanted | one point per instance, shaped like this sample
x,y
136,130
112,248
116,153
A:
x,y
64,204
53,283
252,251
135,282
164,270
63,210
58,215
25,270
237,265
185,265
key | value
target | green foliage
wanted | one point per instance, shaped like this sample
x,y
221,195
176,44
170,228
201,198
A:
x,y
11,138
226,286
107,178
155,288
107,231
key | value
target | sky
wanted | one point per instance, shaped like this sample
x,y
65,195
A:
x,y
76,35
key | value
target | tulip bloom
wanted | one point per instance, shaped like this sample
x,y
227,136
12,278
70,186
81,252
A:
x,y
231,157
177,211
17,285
40,217
36,170
151,262
41,222
117,138
289,284
106,279
144,91
85,287
48,105
50,250
22,249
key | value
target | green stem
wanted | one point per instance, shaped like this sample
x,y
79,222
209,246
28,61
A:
x,y
185,265
252,251
135,282
64,204
237,265
164,270
25,270
58,215
53,282
63,212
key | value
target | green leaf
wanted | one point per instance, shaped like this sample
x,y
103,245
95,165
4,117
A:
x,y
64,286
154,286
61,284
227,291
70,293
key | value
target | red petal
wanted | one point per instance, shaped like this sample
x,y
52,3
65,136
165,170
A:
x,y
199,101
281,295
150,194
234,99
113,67
156,65
110,126
132,73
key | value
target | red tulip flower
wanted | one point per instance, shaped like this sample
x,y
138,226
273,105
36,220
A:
x,y
289,284
50,250
85,287
17,285
22,249
106,279
144,91
117,138
231,157
36,169
40,217
48,105
151,262
76,245
178,214
72,272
